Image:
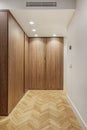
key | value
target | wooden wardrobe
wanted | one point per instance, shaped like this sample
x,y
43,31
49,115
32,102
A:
x,y
44,63
12,71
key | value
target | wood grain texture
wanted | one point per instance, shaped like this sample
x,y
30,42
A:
x,y
26,64
42,110
54,63
11,62
41,63
36,63
15,63
3,64
45,58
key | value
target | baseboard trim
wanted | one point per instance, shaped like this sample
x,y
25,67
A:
x,y
77,113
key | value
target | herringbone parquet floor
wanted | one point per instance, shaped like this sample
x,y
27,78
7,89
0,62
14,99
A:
x,y
41,110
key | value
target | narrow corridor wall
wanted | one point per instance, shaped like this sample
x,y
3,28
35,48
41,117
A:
x,y
77,60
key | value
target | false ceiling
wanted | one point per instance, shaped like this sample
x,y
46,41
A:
x,y
47,22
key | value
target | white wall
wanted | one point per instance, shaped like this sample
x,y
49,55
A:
x,y
65,64
77,74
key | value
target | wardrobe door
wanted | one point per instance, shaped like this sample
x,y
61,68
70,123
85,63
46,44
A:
x,y
41,44
3,64
54,63
15,63
37,63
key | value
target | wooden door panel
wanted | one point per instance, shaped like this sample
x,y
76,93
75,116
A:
x,y
45,63
33,66
36,63
3,64
54,63
59,64
15,63
50,64
41,63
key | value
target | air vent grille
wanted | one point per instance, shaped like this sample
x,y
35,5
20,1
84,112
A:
x,y
41,4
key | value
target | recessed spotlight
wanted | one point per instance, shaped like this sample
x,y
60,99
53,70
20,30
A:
x,y
31,22
54,35
36,35
34,30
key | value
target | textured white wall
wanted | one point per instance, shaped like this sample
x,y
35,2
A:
x,y
77,75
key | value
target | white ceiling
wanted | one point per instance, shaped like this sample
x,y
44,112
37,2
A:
x,y
46,22
21,4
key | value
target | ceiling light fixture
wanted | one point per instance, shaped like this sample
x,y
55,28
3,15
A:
x,y
54,35
31,22
34,30
36,35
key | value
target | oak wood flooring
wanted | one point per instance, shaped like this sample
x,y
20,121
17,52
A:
x,y
41,110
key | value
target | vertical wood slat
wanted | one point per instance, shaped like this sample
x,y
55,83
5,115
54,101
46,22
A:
x,y
50,64
54,63
40,61
36,63
32,64
15,63
3,64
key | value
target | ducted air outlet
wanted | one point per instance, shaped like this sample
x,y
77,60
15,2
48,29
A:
x,y
41,4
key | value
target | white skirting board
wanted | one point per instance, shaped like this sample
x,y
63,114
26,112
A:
x,y
77,113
